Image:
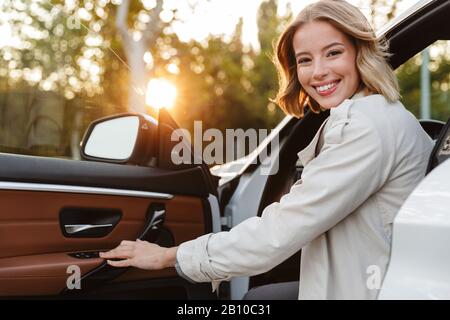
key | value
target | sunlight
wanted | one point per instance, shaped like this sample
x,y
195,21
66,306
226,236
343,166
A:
x,y
160,94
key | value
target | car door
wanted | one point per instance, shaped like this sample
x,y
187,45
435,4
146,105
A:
x,y
57,214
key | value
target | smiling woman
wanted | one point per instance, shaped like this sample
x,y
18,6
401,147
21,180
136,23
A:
x,y
328,66
330,60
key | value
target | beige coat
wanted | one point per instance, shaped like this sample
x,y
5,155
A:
x,y
371,155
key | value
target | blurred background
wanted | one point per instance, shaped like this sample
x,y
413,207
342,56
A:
x,y
66,63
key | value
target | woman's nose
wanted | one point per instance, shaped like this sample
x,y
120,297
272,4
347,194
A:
x,y
320,71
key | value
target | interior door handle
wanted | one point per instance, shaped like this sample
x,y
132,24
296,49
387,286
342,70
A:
x,y
155,220
77,228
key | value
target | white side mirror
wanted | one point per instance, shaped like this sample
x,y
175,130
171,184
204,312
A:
x,y
113,139
127,138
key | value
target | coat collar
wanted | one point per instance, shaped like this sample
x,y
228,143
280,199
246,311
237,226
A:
x,y
339,112
308,153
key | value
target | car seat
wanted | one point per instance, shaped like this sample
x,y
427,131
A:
x,y
441,150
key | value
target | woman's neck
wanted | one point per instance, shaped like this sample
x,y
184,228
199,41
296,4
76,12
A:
x,y
362,91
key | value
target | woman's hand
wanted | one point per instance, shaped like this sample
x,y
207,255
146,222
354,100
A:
x,y
141,254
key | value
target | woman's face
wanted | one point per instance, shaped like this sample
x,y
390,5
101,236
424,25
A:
x,y
326,63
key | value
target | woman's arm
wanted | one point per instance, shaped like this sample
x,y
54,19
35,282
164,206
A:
x,y
349,169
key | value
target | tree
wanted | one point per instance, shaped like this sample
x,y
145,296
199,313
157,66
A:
x,y
67,68
135,47
409,79
41,70
381,11
264,75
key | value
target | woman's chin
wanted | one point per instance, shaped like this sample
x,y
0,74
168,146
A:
x,y
330,102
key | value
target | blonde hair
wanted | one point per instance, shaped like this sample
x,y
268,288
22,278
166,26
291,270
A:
x,y
375,72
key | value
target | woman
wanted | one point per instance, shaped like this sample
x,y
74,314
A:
x,y
359,168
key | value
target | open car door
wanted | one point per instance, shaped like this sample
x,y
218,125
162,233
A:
x,y
57,214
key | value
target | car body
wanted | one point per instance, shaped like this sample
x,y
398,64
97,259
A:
x,y
59,213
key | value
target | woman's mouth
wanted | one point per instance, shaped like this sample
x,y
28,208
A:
x,y
327,89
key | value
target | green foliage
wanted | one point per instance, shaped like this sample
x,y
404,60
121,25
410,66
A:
x,y
409,79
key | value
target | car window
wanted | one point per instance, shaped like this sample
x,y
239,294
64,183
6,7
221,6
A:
x,y
65,64
52,77
413,74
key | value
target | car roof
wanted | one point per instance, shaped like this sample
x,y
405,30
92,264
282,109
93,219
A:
x,y
408,13
416,29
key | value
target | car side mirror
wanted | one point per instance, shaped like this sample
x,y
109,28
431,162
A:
x,y
129,138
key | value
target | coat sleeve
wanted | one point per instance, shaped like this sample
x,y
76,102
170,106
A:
x,y
347,171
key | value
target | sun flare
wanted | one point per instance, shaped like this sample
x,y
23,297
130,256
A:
x,y
161,93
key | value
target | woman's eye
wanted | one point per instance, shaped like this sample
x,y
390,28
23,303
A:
x,y
334,53
303,60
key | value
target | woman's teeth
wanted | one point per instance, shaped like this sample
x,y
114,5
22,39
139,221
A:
x,y
327,87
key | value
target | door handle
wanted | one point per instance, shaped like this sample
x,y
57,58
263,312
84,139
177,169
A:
x,y
158,219
77,228
155,220
88,222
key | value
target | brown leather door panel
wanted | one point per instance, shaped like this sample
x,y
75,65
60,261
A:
x,y
44,274
33,259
